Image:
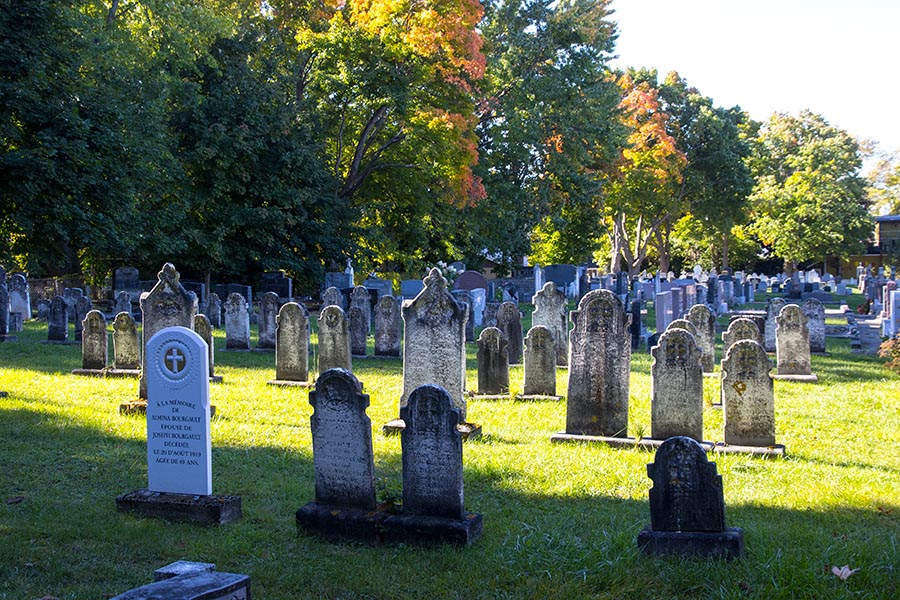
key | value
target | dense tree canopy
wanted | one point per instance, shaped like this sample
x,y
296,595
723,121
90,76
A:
x,y
237,136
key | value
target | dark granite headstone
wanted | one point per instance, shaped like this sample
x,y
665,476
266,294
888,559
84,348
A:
x,y
277,282
58,321
635,325
493,363
509,322
687,505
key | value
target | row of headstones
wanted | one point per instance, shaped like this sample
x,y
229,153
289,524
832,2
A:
x,y
599,373
15,303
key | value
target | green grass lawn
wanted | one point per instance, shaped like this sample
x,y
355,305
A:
x,y
559,520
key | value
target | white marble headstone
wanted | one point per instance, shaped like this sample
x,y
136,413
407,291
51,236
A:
x,y
178,433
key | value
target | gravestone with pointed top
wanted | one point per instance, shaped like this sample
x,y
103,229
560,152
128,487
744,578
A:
x,y
676,387
687,505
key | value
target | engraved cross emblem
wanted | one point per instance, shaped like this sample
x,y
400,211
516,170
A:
x,y
174,360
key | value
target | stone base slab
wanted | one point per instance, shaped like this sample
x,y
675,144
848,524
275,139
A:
x,y
215,379
289,383
728,544
491,396
194,584
776,450
381,527
139,407
181,507
422,530
536,397
711,374
133,373
469,431
811,378
89,372
9,337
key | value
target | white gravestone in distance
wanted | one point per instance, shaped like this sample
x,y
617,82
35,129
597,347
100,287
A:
x,y
178,433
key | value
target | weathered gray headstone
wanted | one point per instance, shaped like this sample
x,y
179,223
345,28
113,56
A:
x,y
464,298
187,580
662,304
204,330
127,279
362,299
292,344
333,297
550,312
740,329
815,322
493,363
599,367
71,295
489,318
705,323
123,303
434,346
676,387
540,362
126,344
388,327
334,340
237,323
342,442
4,303
792,344
432,455
94,342
773,309
268,309
19,296
358,329
213,310
684,324
168,304
748,396
83,306
58,321
687,505
509,322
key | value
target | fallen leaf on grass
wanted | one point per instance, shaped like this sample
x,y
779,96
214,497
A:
x,y
843,572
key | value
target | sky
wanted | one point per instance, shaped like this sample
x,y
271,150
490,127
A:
x,y
837,58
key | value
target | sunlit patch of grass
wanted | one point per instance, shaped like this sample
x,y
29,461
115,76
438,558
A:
x,y
560,519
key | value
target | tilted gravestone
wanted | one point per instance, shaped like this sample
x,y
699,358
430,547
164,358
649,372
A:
x,y
434,346
58,321
740,329
509,322
268,309
387,327
168,304
599,367
676,387
179,463
334,340
333,297
237,323
358,330
433,499
815,322
705,323
773,309
94,344
204,330
687,505
540,363
493,363
550,312
126,345
748,396
292,346
342,460
792,345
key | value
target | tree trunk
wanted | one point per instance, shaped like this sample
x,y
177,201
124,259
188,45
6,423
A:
x,y
725,250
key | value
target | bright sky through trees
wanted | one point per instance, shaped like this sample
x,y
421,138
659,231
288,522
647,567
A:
x,y
833,57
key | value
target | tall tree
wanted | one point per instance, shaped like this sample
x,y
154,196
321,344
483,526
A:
x,y
809,201
884,183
